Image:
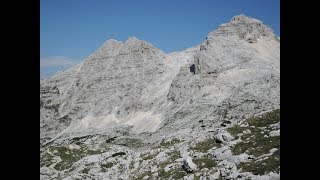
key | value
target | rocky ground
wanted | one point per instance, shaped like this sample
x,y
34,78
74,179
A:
x,y
248,149
131,111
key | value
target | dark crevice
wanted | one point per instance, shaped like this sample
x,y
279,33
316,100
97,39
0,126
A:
x,y
193,68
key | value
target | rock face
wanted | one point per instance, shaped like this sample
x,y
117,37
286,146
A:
x,y
129,106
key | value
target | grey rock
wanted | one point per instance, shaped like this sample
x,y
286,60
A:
x,y
190,177
222,153
240,158
68,178
214,176
227,168
161,157
188,165
275,126
274,133
224,137
154,169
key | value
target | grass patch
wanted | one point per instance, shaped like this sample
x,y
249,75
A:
x,y
147,157
177,173
93,152
206,161
204,146
46,160
272,164
174,155
257,146
265,119
235,130
131,165
68,156
130,142
147,173
169,143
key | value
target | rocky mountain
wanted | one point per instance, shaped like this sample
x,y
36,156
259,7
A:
x,y
131,111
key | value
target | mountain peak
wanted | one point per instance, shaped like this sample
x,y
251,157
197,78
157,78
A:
x,y
112,47
243,18
108,48
244,27
133,39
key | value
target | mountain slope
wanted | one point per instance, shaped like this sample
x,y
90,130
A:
x,y
131,110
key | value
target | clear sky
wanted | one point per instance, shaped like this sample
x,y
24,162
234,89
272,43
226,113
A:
x,y
70,30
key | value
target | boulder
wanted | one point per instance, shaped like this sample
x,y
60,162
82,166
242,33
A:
x,y
188,165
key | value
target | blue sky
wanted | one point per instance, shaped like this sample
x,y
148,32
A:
x,y
70,30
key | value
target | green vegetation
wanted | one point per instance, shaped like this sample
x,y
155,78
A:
x,y
147,157
235,130
257,144
204,146
205,161
266,119
130,142
68,156
272,164
46,159
177,173
131,165
169,143
174,155
147,173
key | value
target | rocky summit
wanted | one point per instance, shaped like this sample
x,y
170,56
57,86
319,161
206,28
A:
x,y
131,111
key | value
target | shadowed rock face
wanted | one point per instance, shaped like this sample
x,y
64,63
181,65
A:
x,y
130,96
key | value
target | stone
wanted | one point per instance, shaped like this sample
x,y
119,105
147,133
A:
x,y
190,177
274,133
222,153
68,178
161,157
240,158
227,168
224,137
188,165
275,126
